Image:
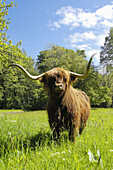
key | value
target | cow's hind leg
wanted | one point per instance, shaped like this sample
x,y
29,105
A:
x,y
82,126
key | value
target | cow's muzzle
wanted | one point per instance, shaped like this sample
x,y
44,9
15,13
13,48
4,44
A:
x,y
58,87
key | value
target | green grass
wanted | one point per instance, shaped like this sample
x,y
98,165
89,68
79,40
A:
x,y
10,111
26,143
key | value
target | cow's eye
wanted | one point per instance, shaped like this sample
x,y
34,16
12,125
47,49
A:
x,y
58,75
65,79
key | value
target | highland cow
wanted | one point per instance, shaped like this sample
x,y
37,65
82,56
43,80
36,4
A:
x,y
67,108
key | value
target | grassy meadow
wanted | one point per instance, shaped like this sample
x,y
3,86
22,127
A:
x,y
26,143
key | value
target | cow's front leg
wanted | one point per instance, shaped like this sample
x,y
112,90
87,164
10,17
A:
x,y
56,131
74,129
56,134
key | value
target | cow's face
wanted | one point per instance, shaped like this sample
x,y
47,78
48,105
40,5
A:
x,y
56,81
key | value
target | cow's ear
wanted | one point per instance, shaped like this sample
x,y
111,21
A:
x,y
43,79
72,79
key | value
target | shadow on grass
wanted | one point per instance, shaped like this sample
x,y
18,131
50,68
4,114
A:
x,y
12,143
41,139
30,142
38,140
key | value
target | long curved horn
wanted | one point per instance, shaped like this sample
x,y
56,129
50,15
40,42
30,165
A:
x,y
26,73
80,76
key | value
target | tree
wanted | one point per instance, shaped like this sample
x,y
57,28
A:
x,y
4,22
58,56
16,91
106,54
106,60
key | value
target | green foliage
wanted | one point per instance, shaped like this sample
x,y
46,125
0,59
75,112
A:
x,y
26,143
4,22
106,60
106,55
16,91
99,95
58,56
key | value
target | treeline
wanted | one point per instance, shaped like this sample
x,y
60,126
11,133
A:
x,y
19,92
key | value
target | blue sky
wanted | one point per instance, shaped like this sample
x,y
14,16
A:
x,y
72,24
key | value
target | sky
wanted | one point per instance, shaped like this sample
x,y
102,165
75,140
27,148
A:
x,y
72,24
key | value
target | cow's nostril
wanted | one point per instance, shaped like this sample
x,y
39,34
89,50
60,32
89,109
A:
x,y
58,86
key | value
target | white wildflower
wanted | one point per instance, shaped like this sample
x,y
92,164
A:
x,y
13,121
69,151
96,158
9,133
111,150
98,153
64,159
57,153
63,152
91,156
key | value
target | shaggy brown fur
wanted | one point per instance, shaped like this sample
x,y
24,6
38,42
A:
x,y
67,108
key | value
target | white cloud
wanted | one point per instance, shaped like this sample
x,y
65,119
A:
x,y
69,16
96,26
81,47
89,51
87,19
64,10
69,19
100,39
105,12
77,37
106,23
55,25
74,17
